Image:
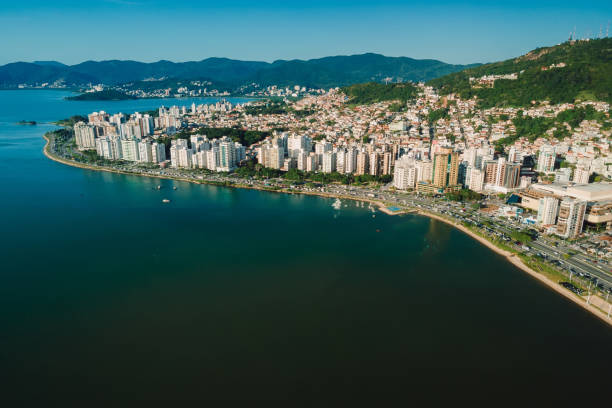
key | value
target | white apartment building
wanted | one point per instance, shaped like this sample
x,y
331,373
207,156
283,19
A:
x,y
548,210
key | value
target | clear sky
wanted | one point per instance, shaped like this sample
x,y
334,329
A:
x,y
73,31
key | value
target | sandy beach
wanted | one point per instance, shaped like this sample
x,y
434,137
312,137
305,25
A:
x,y
515,260
512,258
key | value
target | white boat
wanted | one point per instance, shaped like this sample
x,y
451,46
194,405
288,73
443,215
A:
x,y
337,204
165,200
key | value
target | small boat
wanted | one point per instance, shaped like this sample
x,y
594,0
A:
x,y
165,200
337,204
174,188
159,187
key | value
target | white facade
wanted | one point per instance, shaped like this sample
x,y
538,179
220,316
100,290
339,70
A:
x,y
548,210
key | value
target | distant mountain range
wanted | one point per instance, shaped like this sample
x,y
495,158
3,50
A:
x,y
316,73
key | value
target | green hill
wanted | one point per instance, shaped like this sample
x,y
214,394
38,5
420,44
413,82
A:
x,y
105,95
372,92
583,71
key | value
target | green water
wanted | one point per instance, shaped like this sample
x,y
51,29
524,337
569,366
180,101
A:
x,y
110,297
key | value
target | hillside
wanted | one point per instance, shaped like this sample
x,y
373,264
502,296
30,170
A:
x,y
577,70
372,92
322,72
105,95
347,70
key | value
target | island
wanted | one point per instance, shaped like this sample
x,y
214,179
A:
x,y
105,95
27,122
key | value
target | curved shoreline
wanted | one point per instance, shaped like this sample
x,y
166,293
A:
x,y
510,257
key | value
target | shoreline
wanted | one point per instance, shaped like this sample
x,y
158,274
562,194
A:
x,y
510,257
516,261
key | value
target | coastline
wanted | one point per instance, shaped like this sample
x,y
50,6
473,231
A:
x,y
516,261
510,257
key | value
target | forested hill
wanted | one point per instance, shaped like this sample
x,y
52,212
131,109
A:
x,y
574,70
372,92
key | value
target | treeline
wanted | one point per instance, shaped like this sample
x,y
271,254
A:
x,y
71,120
373,92
586,76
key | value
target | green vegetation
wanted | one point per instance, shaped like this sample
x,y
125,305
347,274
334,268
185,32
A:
x,y
269,108
26,122
71,120
276,107
438,114
520,236
106,95
587,75
464,195
373,92
397,107
532,128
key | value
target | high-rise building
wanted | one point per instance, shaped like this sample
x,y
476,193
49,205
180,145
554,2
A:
x,y
581,175
374,163
158,152
340,160
476,179
548,210
227,155
297,143
563,175
329,162
350,162
404,174
546,159
129,149
145,152
424,171
571,217
445,168
85,135
363,163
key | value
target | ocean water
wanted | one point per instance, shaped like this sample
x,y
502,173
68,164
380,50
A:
x,y
110,297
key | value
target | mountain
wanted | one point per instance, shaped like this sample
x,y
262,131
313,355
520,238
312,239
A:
x,y
574,70
50,63
347,70
372,92
322,72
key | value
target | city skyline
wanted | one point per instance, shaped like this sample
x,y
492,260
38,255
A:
x,y
454,32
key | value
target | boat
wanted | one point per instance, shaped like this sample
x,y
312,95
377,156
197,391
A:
x,y
174,188
165,200
337,204
159,187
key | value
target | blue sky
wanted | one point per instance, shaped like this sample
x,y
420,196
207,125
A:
x,y
459,32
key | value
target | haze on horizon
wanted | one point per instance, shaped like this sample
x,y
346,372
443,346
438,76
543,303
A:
x,y
458,32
